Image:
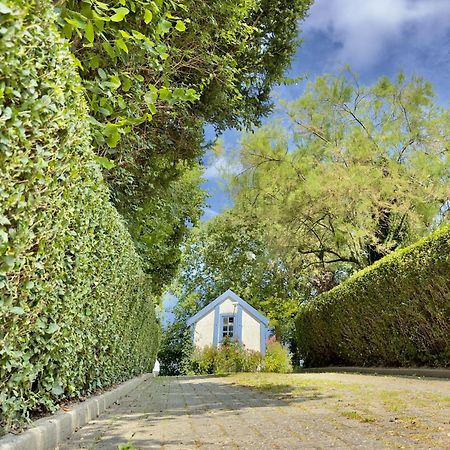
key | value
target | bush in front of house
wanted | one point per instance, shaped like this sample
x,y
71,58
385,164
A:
x,y
393,313
278,358
202,361
75,307
231,356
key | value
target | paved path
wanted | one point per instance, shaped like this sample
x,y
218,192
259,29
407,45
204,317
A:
x,y
214,413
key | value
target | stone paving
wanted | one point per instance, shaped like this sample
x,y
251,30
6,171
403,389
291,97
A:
x,y
215,413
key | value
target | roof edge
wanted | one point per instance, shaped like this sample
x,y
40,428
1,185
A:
x,y
228,293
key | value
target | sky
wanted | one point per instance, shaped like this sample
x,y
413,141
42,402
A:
x,y
374,37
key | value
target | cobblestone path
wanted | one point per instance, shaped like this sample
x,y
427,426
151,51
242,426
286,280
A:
x,y
215,413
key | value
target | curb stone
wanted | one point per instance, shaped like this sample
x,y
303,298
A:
x,y
394,371
47,433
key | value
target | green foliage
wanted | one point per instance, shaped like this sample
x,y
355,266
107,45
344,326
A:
x,y
234,51
393,313
359,172
202,361
277,358
121,49
231,356
77,290
127,446
76,311
141,122
141,57
158,222
230,253
154,73
175,350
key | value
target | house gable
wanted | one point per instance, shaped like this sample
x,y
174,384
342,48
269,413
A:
x,y
233,297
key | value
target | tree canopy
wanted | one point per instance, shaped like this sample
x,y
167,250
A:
x,y
346,175
155,72
228,252
352,174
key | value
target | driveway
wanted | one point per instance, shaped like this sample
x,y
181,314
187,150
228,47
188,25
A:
x,y
287,412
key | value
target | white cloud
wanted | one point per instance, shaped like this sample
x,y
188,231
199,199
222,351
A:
x,y
215,170
220,166
364,29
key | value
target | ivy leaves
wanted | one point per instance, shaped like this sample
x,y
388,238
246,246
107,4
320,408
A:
x,y
105,162
180,25
148,16
89,31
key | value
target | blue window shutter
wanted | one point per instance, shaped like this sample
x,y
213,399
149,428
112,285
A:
x,y
239,323
216,326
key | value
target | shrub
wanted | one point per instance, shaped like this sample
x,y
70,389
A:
x,y
393,313
277,358
203,360
253,361
75,310
231,356
175,349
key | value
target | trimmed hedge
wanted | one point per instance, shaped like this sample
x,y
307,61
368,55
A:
x,y
75,309
393,313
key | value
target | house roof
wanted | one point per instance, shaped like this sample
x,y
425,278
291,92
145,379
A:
x,y
231,295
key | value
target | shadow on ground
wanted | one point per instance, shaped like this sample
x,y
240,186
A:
x,y
166,402
342,411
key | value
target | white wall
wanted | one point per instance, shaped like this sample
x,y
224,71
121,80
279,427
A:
x,y
227,307
204,330
251,332
251,328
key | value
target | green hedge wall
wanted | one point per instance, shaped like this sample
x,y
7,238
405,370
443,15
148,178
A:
x,y
393,313
75,309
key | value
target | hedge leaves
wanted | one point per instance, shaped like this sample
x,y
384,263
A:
x,y
75,309
393,313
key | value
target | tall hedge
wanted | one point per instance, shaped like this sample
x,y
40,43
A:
x,y
393,313
75,309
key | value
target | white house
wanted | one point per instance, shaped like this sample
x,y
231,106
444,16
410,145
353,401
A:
x,y
229,315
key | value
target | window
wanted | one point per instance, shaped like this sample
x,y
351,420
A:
x,y
227,326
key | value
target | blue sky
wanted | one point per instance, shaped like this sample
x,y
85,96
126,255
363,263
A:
x,y
376,38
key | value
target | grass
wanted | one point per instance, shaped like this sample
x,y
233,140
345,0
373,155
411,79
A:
x,y
272,382
355,415
393,404
440,398
392,400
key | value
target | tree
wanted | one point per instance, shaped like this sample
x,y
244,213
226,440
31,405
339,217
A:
x,y
356,172
175,349
140,58
230,253
155,72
